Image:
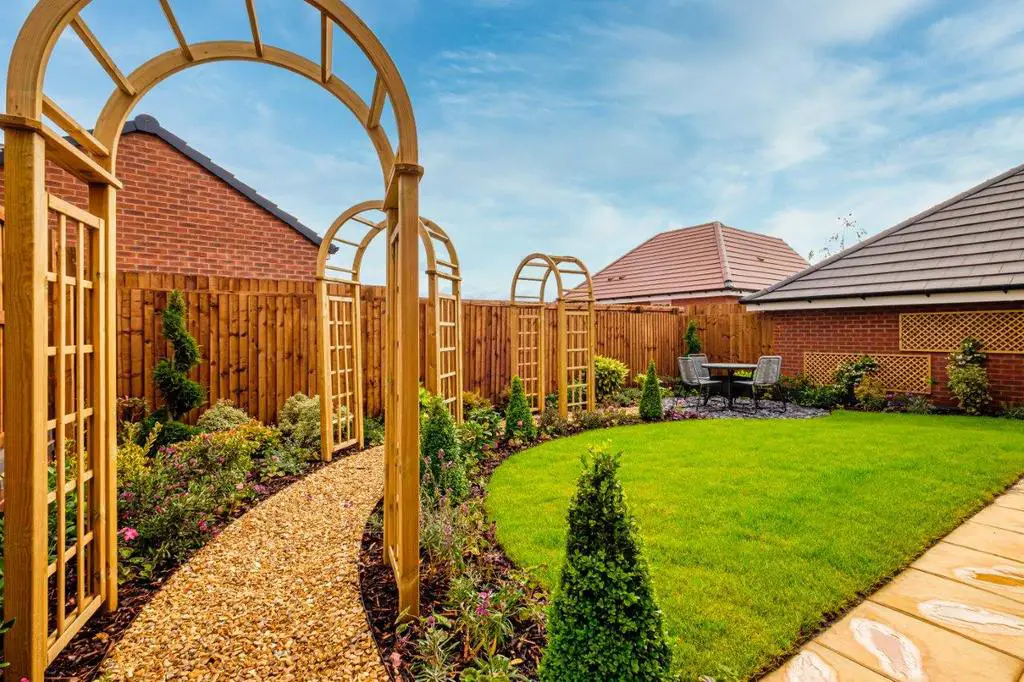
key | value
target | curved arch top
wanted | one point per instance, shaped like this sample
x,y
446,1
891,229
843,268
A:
x,y
552,267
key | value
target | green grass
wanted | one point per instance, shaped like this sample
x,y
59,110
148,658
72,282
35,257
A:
x,y
758,532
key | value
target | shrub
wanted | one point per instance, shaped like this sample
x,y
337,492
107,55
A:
x,y
969,385
489,428
1013,411
442,466
170,375
911,404
299,421
518,417
968,353
691,339
627,397
373,431
133,455
871,393
650,401
588,420
471,400
222,416
850,373
604,623
609,376
552,423
171,432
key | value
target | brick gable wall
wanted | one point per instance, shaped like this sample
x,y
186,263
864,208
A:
x,y
176,217
877,330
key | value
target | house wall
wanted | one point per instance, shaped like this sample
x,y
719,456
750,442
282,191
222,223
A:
x,y
174,216
876,330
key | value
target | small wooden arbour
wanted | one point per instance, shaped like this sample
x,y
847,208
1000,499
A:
x,y
574,334
339,301
59,263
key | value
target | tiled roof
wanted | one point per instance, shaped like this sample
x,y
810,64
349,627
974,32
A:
x,y
972,242
697,260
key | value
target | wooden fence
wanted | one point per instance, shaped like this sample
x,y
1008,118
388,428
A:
x,y
259,345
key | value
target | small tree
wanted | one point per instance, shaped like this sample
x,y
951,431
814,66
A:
x,y
518,417
650,401
603,623
968,379
442,465
170,375
691,339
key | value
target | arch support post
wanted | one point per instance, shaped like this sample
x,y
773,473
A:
x,y
402,454
25,367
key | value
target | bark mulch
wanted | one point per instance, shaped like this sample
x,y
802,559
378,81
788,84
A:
x,y
275,596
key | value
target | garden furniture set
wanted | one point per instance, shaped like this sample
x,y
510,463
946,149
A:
x,y
765,377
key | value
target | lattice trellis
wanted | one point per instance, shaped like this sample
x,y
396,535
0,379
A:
x,y
1001,331
578,358
448,313
527,351
75,491
343,378
901,373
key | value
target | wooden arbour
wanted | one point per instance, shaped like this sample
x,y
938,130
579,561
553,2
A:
x,y
75,348
339,299
574,336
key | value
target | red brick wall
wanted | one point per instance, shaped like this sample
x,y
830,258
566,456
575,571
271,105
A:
x,y
876,330
176,217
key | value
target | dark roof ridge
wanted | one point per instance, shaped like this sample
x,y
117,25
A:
x,y
885,233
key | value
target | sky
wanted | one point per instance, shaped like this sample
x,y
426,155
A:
x,y
584,127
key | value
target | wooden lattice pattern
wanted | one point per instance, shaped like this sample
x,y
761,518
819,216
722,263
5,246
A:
x,y
448,350
901,373
577,335
341,371
1001,331
527,352
75,490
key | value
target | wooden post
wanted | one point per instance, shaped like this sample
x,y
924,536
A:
x,y
563,362
358,409
325,389
591,350
391,416
25,381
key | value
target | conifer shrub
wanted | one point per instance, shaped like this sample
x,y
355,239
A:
x,y
603,623
442,465
518,417
170,375
650,401
691,338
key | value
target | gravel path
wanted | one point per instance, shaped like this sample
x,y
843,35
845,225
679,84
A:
x,y
275,596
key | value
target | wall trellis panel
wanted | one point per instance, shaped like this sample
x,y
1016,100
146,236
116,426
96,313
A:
x,y
1001,331
901,373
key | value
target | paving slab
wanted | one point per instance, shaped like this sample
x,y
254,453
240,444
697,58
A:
x,y
815,663
1002,543
985,571
1001,517
976,614
1012,500
903,647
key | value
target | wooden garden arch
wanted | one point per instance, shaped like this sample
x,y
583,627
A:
x,y
73,350
339,294
575,337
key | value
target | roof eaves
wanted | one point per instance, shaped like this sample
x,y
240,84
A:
x,y
884,233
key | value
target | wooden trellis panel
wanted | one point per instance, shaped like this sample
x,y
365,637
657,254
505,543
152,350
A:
x,y
527,350
76,530
578,357
449,321
901,373
1001,331
341,362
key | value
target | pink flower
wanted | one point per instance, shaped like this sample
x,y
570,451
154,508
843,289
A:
x,y
128,533
396,659
239,486
202,526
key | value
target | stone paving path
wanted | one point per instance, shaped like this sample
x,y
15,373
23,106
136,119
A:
x,y
956,614
275,596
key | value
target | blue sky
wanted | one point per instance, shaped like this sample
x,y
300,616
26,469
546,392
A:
x,y
586,126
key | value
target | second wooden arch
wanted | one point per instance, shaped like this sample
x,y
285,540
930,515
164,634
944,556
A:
x,y
339,302
574,333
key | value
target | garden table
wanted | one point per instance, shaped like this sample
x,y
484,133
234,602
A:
x,y
730,368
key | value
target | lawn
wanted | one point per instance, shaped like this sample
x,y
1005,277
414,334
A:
x,y
758,532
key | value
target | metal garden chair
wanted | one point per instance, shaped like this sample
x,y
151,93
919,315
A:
x,y
765,379
688,370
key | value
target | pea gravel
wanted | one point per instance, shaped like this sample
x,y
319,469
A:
x,y
274,596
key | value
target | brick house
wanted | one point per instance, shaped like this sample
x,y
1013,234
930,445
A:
x,y
910,294
181,213
709,263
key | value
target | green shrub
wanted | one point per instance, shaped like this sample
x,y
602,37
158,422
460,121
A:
x,y
588,420
222,416
691,338
969,385
489,422
299,421
442,466
518,417
552,423
968,353
471,400
609,376
1013,411
850,374
373,431
627,397
911,404
604,623
170,375
871,394
171,432
650,401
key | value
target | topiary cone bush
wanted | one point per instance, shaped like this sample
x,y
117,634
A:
x,y
170,375
691,339
603,623
442,464
518,417
650,401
